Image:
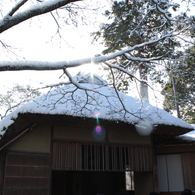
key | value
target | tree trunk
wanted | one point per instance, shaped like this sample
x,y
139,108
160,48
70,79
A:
x,y
143,84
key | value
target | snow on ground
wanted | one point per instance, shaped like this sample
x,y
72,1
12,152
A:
x,y
95,97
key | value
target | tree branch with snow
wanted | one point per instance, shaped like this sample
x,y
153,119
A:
x,y
60,65
12,19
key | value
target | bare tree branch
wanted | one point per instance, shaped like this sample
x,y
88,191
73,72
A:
x,y
117,93
58,26
122,70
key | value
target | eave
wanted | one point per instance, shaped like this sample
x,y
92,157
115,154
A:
x,y
25,122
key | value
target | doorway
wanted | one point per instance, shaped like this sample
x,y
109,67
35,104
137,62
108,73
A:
x,y
87,183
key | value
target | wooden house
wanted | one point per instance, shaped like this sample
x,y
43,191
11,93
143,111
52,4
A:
x,y
86,139
176,159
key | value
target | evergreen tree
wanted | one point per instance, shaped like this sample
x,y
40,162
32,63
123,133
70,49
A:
x,y
134,22
183,73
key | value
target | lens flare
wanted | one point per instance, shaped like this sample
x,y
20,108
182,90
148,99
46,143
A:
x,y
144,128
99,133
98,130
96,114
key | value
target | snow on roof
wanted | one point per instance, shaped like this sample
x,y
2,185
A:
x,y
190,136
97,97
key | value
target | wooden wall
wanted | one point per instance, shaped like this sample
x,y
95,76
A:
x,y
114,133
2,166
188,163
36,140
27,174
39,138
187,152
74,147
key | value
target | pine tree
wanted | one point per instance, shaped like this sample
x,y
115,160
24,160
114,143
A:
x,y
183,73
134,22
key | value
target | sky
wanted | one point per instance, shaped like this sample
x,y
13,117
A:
x,y
37,39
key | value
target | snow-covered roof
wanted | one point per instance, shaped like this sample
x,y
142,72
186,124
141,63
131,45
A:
x,y
190,136
95,99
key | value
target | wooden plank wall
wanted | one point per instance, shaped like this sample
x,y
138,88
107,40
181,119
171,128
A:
x,y
69,155
188,163
27,174
2,165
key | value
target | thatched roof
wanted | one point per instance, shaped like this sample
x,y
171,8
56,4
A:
x,y
93,97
